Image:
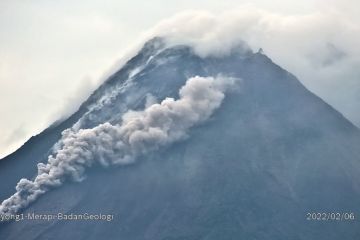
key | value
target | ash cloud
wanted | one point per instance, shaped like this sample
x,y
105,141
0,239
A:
x,y
140,132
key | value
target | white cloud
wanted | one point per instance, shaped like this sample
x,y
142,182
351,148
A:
x,y
320,48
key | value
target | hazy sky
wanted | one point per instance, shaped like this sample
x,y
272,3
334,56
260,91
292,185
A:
x,y
54,53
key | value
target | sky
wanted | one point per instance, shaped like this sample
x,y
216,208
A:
x,y
54,53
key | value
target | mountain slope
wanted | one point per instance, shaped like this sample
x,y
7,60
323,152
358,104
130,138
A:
x,y
269,155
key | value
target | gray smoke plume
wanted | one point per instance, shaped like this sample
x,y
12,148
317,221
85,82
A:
x,y
140,132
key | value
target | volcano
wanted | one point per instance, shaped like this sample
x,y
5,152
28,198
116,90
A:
x,y
258,167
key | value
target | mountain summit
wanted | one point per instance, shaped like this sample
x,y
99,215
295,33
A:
x,y
245,152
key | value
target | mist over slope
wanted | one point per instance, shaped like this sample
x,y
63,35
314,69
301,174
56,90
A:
x,y
270,153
